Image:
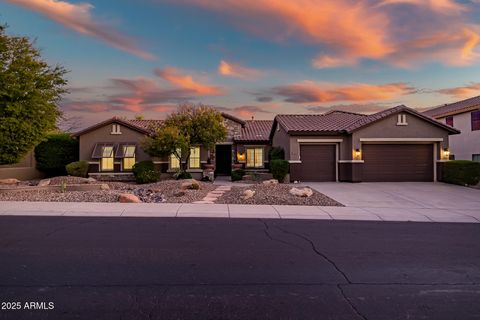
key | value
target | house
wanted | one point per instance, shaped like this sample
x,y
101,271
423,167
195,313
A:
x,y
397,144
112,147
464,115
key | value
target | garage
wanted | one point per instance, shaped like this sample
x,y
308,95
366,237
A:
x,y
397,162
318,163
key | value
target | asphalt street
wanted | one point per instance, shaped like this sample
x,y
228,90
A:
x,y
200,268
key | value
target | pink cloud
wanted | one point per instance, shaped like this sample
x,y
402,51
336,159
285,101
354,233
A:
x,y
187,82
78,17
467,91
230,69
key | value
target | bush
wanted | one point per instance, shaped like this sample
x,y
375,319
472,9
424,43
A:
x,y
182,175
55,153
237,174
279,169
145,172
462,172
77,169
276,153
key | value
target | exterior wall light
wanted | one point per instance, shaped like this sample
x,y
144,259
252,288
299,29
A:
x,y
357,154
240,156
446,154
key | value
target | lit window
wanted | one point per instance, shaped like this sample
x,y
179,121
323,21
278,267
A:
x,y
194,161
107,158
402,120
115,129
449,121
175,161
128,157
254,157
475,120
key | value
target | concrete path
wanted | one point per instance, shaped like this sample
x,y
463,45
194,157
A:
x,y
85,209
212,196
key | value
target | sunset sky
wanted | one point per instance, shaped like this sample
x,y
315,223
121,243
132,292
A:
x,y
254,57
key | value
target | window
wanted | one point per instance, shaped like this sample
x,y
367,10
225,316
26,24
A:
x,y
476,120
449,121
115,129
476,157
402,120
107,158
194,161
254,157
128,157
175,161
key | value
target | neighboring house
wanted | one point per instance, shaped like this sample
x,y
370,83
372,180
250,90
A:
x,y
397,144
23,170
112,148
464,115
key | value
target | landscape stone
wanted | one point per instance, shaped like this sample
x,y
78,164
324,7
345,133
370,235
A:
x,y
43,183
9,181
128,198
104,186
305,192
270,182
247,194
191,184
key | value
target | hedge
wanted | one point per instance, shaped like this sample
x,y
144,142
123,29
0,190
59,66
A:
x,y
182,175
77,168
276,153
237,174
462,172
53,154
145,172
279,169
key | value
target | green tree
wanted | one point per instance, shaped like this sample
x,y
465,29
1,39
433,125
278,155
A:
x,y
54,153
29,92
191,125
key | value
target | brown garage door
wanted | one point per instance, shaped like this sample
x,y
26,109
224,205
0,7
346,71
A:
x,y
318,163
398,162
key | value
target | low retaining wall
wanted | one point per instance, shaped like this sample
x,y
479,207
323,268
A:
x,y
69,187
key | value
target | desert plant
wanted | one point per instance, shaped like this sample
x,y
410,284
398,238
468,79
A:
x,y
279,169
462,172
180,175
145,172
53,154
276,153
237,174
77,168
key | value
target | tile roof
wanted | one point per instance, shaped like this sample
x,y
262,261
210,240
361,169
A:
x,y
146,124
454,108
256,130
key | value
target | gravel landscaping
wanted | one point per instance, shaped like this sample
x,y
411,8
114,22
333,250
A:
x,y
163,191
277,194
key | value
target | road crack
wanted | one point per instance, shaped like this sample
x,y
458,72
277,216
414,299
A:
x,y
350,303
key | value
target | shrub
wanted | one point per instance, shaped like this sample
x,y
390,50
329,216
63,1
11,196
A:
x,y
77,168
145,172
237,174
181,175
53,154
462,172
279,169
276,153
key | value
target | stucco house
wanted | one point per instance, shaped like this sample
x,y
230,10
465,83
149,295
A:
x,y
464,115
397,144
112,147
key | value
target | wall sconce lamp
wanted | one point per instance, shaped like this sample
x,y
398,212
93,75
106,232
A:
x,y
240,156
357,154
446,154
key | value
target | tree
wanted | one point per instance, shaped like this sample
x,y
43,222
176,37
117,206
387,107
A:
x,y
191,125
29,92
53,154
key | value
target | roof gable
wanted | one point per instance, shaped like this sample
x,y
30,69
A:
x,y
124,122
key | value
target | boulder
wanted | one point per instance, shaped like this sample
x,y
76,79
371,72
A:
x,y
43,183
270,182
104,186
90,180
9,181
305,192
247,194
128,198
191,184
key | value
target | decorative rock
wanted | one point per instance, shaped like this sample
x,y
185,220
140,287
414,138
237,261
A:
x,y
9,181
247,194
128,198
179,194
90,180
43,183
270,182
191,184
104,186
305,192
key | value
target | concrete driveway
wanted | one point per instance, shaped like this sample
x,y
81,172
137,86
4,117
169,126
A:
x,y
391,198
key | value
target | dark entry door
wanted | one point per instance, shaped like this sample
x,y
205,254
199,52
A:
x,y
223,159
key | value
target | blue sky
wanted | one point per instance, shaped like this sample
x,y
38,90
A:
x,y
254,57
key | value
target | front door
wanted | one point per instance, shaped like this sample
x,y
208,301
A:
x,y
223,159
